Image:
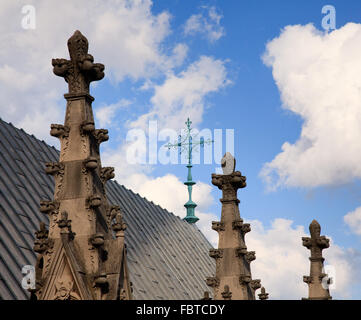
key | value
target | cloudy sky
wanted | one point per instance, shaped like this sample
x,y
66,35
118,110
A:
x,y
268,70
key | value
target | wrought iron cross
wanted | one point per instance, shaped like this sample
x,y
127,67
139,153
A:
x,y
188,144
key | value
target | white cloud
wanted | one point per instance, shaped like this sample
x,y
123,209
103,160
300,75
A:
x,y
183,95
105,114
318,76
353,220
129,38
124,35
207,24
282,261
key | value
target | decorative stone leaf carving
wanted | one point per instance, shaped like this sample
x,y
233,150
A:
x,y
216,253
212,282
217,226
59,131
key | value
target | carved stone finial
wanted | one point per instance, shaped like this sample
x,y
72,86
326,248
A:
x,y
318,288
119,224
80,70
263,295
65,225
315,229
77,46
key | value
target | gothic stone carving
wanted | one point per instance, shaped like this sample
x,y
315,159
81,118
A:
x,y
106,174
101,135
65,290
42,243
54,168
59,131
48,206
263,295
80,70
212,282
216,253
217,226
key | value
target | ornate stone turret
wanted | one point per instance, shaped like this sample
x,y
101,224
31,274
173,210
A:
x,y
317,280
233,280
80,257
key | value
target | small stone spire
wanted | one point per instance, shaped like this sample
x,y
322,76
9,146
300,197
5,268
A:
x,y
233,279
317,280
79,257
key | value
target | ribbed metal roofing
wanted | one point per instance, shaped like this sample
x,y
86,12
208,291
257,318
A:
x,y
167,257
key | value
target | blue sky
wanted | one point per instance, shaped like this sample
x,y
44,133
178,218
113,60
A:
x,y
260,101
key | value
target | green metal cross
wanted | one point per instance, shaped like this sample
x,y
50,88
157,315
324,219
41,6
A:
x,y
188,144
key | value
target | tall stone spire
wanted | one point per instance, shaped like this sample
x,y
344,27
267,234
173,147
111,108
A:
x,y
233,280
82,256
317,280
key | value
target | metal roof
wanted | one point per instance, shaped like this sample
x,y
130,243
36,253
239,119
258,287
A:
x,y
167,257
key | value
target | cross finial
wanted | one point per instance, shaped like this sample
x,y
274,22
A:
x,y
189,144
316,243
80,70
